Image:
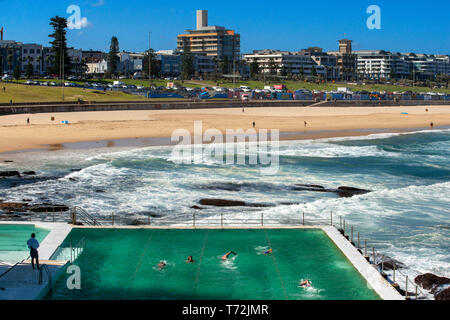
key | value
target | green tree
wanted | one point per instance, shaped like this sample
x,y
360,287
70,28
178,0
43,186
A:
x,y
16,73
392,74
187,65
153,61
225,65
272,67
29,71
61,59
113,58
254,69
10,61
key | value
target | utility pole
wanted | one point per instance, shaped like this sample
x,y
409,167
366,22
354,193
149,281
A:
x,y
61,63
149,59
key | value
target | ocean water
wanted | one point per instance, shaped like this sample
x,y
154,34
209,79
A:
x,y
406,216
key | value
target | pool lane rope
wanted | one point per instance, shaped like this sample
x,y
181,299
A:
x,y
142,258
276,265
201,257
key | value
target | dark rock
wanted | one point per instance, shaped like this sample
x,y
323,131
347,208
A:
x,y
100,191
29,173
388,263
222,203
27,200
430,281
75,170
9,174
49,208
231,203
8,161
14,206
73,179
348,192
443,295
314,186
137,223
197,208
311,187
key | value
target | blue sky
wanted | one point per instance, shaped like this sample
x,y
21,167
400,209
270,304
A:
x,y
406,25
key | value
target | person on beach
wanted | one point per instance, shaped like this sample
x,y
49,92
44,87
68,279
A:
x,y
162,265
254,124
431,125
305,284
33,245
270,251
190,260
225,256
305,123
28,120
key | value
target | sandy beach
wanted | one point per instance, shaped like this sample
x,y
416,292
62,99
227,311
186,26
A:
x,y
112,125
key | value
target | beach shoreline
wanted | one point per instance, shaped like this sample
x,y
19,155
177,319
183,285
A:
x,y
155,127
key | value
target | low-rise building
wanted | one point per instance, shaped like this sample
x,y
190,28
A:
x,y
32,54
278,62
97,68
10,56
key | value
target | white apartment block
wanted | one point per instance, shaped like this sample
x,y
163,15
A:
x,y
32,53
379,64
293,62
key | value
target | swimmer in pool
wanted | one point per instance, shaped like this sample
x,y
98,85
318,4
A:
x,y
305,284
190,260
270,251
225,257
162,265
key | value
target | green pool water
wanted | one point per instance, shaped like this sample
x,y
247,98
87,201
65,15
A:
x,y
13,240
121,264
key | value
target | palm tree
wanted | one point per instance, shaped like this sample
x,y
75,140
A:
x,y
39,62
10,62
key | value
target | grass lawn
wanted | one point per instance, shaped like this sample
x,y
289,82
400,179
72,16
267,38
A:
x,y
24,93
295,85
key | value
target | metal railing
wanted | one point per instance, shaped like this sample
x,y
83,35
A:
x,y
79,213
43,268
396,278
76,250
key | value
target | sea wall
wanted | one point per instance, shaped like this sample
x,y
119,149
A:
x,y
174,105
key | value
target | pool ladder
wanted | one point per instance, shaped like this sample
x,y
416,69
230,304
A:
x,y
85,217
49,275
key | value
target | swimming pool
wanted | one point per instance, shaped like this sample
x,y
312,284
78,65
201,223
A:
x,y
122,264
13,241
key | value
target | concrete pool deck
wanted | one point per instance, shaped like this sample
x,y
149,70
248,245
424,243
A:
x,y
21,282
28,291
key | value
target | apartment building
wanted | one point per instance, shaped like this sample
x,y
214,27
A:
x,y
32,54
323,59
212,41
345,60
277,62
380,64
10,56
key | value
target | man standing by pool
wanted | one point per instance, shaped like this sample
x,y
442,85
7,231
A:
x,y
33,244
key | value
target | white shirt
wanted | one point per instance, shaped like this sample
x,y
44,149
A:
x,y
33,243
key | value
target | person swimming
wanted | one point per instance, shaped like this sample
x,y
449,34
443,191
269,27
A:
x,y
270,251
190,259
225,256
305,284
162,265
